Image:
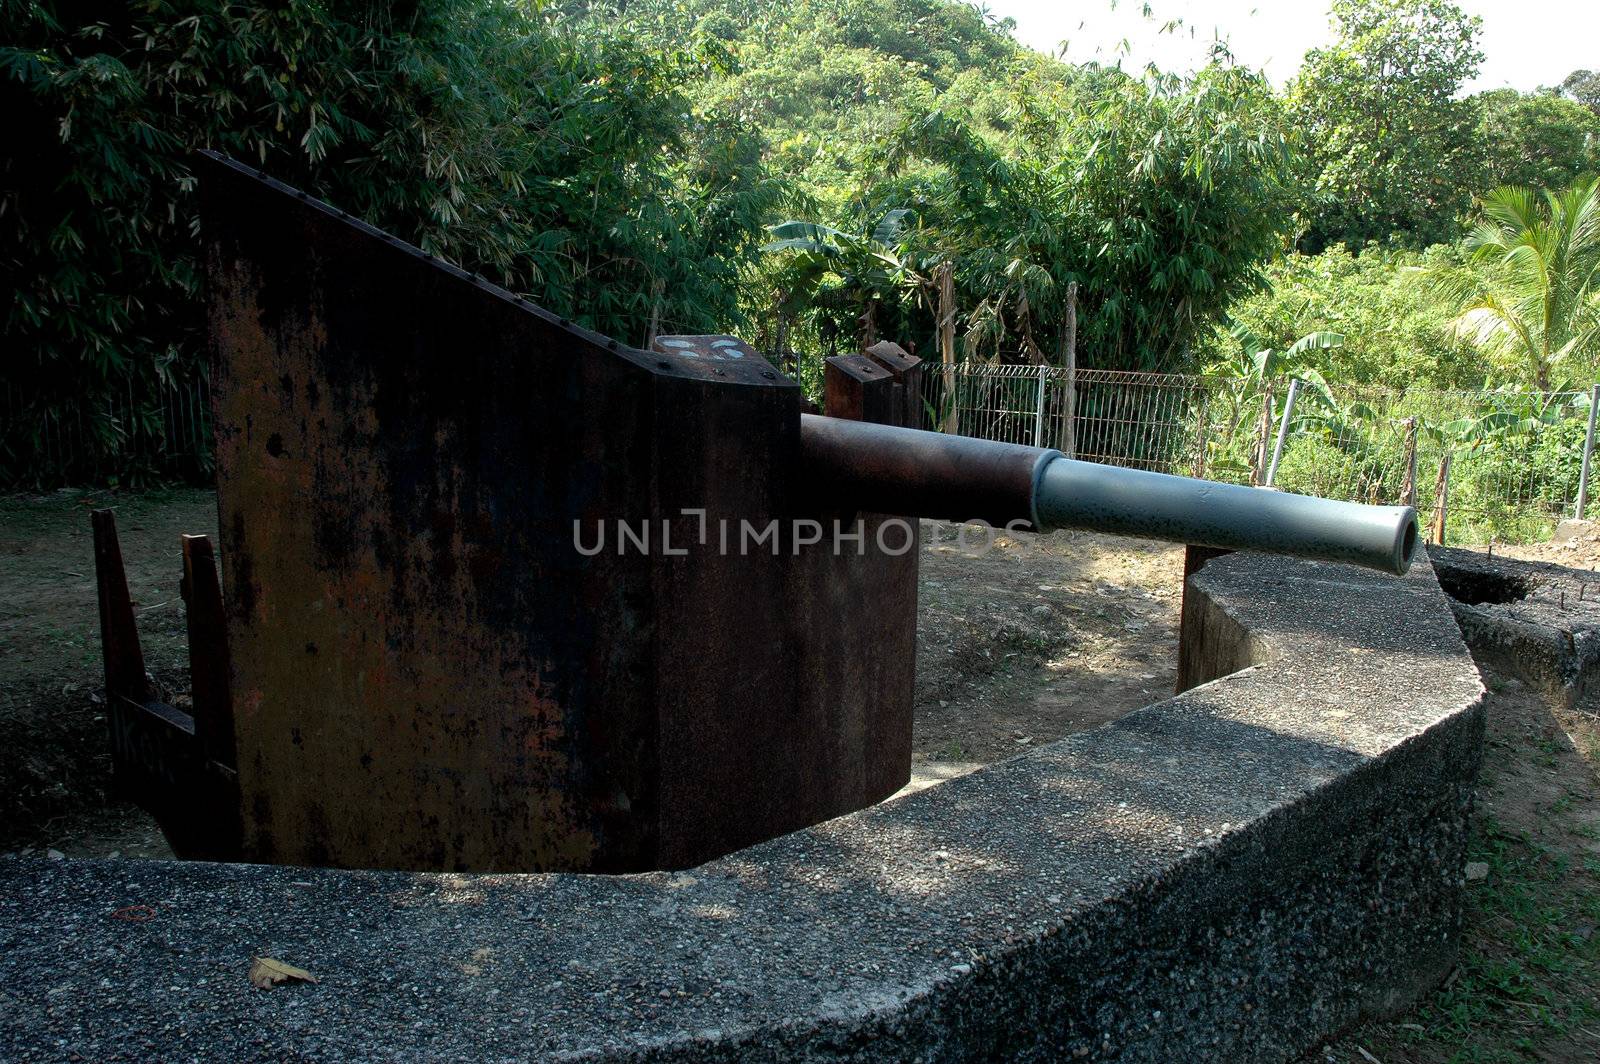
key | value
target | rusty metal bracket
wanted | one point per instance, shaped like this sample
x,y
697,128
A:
x,y
158,759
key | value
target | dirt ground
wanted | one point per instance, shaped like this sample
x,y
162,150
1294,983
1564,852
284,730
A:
x,y
1039,637
1581,551
1019,642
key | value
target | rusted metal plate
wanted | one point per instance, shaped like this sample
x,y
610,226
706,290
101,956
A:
x,y
857,388
119,638
907,371
711,349
426,673
791,662
434,660
208,651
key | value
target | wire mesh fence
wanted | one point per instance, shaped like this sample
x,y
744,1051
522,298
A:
x,y
1514,457
128,436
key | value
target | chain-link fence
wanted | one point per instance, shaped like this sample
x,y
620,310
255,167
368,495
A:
x,y
1514,457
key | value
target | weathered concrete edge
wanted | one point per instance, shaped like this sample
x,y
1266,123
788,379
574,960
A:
x,y
1316,880
1559,656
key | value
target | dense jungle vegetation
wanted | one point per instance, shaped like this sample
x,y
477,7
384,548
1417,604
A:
x,y
811,175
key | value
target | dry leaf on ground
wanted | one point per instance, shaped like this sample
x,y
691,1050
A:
x,y
266,973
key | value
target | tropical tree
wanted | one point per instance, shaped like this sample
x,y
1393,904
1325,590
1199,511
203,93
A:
x,y
1538,139
1584,87
564,160
1391,146
1538,307
1397,329
1240,377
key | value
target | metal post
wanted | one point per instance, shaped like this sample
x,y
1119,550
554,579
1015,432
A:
x,y
1038,409
1588,449
1283,430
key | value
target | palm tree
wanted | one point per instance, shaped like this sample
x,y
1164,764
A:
x,y
1539,303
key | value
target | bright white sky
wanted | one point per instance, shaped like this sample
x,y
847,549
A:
x,y
1526,43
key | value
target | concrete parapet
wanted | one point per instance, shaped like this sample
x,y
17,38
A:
x,y
1232,874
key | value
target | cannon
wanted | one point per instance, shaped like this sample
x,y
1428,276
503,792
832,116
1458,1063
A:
x,y
498,593
927,474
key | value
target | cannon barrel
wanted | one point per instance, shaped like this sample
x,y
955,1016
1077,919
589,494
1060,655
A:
x,y
914,473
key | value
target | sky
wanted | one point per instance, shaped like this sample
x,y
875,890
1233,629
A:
x,y
1271,35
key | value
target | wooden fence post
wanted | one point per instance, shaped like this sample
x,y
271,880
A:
x,y
950,422
1441,502
656,290
1069,344
1258,452
785,356
1205,431
1408,487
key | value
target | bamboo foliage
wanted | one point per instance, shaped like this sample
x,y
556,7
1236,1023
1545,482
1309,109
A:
x,y
559,157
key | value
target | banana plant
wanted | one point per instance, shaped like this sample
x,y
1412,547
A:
x,y
829,266
1240,380
1511,416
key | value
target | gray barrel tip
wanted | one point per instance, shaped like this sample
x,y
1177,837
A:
x,y
1407,539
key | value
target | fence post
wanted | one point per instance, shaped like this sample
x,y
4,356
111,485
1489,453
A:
x,y
1283,430
1038,409
1069,341
1588,449
1205,433
1258,452
1408,487
950,421
656,291
785,359
1441,502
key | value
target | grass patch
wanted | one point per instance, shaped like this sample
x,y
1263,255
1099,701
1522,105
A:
x,y
1529,958
1527,982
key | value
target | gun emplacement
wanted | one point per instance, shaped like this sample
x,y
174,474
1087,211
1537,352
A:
x,y
429,674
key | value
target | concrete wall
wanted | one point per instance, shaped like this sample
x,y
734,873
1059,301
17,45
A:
x,y
1232,874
